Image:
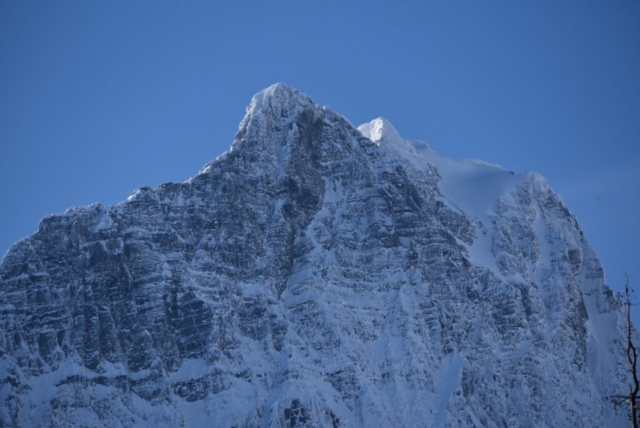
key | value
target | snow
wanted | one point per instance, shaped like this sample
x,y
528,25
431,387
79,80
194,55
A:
x,y
380,131
104,223
472,186
276,95
448,379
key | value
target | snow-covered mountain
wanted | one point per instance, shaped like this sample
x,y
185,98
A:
x,y
314,275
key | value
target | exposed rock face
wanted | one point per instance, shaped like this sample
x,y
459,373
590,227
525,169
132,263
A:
x,y
312,276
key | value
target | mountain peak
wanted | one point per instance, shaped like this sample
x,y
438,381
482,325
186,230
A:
x,y
277,99
277,90
276,104
380,130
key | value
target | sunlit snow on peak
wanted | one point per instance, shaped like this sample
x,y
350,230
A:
x,y
380,130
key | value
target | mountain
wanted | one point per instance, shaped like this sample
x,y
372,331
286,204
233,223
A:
x,y
315,275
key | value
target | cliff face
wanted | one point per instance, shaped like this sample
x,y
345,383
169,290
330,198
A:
x,y
314,275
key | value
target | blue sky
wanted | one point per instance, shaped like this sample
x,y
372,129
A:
x,y
99,98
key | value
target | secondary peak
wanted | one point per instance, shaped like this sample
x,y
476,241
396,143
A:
x,y
380,130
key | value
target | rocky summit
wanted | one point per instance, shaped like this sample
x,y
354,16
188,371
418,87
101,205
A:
x,y
315,275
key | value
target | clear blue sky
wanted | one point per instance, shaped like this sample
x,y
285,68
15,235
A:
x,y
99,98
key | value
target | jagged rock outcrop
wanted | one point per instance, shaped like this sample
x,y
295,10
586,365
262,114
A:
x,y
313,275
